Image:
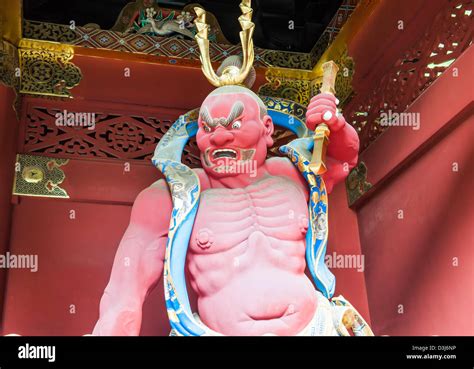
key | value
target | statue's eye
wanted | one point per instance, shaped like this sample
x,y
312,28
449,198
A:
x,y
206,128
237,124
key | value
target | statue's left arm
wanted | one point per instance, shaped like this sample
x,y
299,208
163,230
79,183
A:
x,y
343,148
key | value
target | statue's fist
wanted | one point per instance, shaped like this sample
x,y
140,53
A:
x,y
323,109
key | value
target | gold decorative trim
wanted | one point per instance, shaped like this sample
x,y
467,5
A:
x,y
52,32
356,183
10,35
10,72
88,36
344,77
39,176
125,19
291,84
301,85
8,64
46,68
288,59
343,84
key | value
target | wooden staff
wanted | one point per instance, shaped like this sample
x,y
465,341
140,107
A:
x,y
321,134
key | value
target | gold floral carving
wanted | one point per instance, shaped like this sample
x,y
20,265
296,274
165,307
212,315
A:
x,y
39,176
46,68
48,32
344,77
343,85
287,59
287,88
301,85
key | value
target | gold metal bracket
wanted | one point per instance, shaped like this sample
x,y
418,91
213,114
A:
x,y
39,176
357,184
46,68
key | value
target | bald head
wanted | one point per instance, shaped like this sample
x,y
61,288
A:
x,y
239,90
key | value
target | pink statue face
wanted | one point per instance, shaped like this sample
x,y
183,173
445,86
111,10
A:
x,y
232,134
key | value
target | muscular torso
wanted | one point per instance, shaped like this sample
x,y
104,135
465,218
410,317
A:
x,y
247,259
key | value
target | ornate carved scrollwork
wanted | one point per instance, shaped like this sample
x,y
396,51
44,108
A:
x,y
135,17
48,32
294,89
46,68
10,71
343,85
319,48
285,59
116,136
356,183
39,176
127,137
169,47
448,35
300,86
344,77
173,47
8,64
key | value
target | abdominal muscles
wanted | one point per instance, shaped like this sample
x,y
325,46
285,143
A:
x,y
263,301
247,260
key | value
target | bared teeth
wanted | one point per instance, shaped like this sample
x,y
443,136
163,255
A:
x,y
224,153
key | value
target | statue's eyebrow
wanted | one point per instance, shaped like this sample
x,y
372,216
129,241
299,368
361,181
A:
x,y
235,112
206,117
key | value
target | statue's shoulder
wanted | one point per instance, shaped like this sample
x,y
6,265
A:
x,y
156,193
203,178
153,206
280,166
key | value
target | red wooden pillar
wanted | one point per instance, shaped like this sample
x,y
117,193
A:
x,y
8,147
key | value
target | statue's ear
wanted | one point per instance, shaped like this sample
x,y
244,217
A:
x,y
268,126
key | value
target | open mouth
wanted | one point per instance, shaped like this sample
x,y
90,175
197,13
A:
x,y
224,153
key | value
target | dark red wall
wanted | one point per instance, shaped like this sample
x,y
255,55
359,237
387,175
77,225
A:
x,y
420,268
75,259
344,240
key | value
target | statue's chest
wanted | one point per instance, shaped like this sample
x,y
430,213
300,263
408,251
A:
x,y
274,207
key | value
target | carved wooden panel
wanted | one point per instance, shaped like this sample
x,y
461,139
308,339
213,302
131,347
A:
x,y
114,136
46,131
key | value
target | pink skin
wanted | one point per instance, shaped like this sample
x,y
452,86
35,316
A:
x,y
246,256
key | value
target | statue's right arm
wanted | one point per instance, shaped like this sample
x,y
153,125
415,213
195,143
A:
x,y
138,263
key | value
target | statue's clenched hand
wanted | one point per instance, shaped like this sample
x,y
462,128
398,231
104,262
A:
x,y
323,109
343,148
